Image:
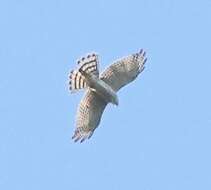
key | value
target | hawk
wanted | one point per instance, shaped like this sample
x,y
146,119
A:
x,y
101,89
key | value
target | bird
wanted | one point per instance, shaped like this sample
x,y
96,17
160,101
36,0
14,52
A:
x,y
100,89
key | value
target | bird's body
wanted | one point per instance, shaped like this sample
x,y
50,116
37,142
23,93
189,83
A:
x,y
100,89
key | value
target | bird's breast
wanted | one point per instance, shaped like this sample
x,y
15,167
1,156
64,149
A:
x,y
104,90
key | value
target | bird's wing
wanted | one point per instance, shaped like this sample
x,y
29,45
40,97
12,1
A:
x,y
88,116
124,71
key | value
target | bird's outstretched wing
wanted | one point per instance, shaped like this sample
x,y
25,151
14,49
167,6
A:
x,y
88,115
124,71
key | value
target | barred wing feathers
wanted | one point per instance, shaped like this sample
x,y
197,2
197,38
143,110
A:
x,y
124,71
88,115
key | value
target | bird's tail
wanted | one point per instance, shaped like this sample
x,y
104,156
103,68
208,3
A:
x,y
89,65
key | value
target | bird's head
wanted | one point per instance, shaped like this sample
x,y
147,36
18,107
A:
x,y
115,100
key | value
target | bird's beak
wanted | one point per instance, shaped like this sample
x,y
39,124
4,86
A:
x,y
116,102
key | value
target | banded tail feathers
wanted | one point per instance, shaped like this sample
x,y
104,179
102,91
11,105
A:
x,y
88,64
76,81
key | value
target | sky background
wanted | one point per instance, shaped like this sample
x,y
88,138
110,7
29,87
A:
x,y
159,138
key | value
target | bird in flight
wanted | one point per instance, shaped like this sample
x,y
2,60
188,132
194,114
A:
x,y
101,89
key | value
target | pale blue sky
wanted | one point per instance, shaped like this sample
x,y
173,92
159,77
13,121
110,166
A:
x,y
159,138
